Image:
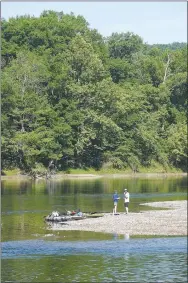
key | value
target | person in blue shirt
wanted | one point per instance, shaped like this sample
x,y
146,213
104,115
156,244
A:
x,y
115,200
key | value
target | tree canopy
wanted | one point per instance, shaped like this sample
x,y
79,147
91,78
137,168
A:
x,y
72,96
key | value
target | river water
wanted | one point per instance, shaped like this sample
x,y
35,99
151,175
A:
x,y
33,253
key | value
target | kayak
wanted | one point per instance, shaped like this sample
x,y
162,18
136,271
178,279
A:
x,y
56,217
63,218
94,215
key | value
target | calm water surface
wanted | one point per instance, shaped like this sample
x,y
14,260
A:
x,y
32,253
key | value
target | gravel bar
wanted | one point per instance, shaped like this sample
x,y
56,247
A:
x,y
172,221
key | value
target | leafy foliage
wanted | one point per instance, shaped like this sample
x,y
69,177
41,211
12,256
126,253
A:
x,y
72,96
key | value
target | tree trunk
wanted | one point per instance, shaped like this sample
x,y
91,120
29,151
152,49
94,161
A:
x,y
166,69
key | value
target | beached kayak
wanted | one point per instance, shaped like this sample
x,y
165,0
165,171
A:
x,y
57,217
94,215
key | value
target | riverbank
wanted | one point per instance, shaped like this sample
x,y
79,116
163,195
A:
x,y
121,175
171,222
93,176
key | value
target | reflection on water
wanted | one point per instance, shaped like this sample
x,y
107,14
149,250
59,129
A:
x,y
91,268
117,236
31,254
25,203
94,186
88,195
152,259
126,237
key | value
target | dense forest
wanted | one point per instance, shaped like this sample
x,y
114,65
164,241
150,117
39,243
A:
x,y
84,101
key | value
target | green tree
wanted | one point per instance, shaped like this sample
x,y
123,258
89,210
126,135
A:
x,y
123,45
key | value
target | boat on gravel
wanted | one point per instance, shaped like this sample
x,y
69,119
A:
x,y
55,216
94,215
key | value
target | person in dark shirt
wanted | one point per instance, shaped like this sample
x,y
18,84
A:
x,y
115,200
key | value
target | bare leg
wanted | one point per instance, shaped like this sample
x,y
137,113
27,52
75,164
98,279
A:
x,y
115,208
127,210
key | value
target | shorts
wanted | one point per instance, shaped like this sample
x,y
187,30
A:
x,y
115,203
126,204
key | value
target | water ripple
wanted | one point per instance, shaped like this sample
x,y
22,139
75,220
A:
x,y
116,248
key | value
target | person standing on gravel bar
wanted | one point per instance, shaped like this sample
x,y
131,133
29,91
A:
x,y
126,201
115,200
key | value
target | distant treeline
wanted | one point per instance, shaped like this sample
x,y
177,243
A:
x,y
170,46
71,96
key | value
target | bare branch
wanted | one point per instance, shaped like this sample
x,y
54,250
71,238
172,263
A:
x,y
166,69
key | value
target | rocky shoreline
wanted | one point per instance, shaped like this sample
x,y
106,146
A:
x,y
171,222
